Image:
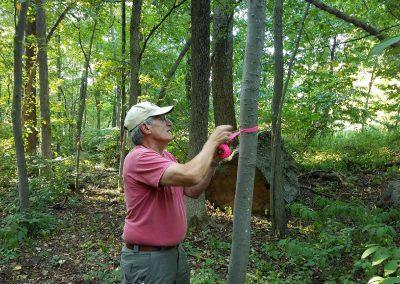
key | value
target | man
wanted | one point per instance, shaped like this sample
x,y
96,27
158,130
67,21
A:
x,y
155,185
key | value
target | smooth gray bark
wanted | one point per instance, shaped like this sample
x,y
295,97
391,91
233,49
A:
x,y
200,73
248,142
135,51
278,214
16,110
44,80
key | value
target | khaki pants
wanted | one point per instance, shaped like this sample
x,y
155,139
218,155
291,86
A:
x,y
164,266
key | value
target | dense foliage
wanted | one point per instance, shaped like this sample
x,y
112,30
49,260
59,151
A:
x,y
341,115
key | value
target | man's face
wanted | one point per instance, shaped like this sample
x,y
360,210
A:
x,y
161,128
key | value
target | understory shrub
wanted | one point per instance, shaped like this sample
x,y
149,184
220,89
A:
x,y
17,228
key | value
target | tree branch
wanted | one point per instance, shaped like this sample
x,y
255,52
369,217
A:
x,y
60,18
352,20
153,30
338,14
171,71
296,48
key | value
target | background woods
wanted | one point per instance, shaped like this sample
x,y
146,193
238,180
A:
x,y
327,103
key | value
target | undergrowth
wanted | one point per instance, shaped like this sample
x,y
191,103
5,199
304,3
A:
x,y
329,241
347,151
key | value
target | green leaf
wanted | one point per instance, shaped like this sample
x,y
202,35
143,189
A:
x,y
391,267
378,49
369,251
391,280
380,257
375,280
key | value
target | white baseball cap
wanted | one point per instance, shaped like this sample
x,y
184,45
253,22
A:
x,y
142,111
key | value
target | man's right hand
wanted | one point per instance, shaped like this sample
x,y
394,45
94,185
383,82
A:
x,y
220,135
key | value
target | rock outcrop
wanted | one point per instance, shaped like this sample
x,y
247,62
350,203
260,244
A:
x,y
221,191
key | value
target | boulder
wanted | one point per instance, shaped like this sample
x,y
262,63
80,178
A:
x,y
221,191
391,195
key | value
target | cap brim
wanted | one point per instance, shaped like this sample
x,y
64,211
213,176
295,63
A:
x,y
163,110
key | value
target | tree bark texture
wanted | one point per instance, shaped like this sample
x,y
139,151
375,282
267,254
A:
x,y
222,64
188,77
248,142
278,214
135,51
200,73
82,104
45,121
16,110
29,106
122,135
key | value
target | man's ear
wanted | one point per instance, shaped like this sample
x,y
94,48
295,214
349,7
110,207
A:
x,y
145,128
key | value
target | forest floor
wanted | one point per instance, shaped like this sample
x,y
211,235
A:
x,y
85,245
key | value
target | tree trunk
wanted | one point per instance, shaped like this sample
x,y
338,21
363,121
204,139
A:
x,y
16,111
200,72
188,77
116,115
366,111
222,64
82,105
248,143
29,108
59,94
123,96
278,214
44,80
98,108
135,51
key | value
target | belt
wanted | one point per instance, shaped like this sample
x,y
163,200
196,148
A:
x,y
148,248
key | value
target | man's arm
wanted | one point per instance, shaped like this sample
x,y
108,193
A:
x,y
196,190
194,171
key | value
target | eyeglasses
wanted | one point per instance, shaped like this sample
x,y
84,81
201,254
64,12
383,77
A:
x,y
161,117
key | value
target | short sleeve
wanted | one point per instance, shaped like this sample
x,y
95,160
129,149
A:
x,y
150,167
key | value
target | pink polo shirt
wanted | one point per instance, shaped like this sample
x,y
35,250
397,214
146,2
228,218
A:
x,y
156,215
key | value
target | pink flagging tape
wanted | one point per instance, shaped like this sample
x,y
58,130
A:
x,y
224,151
245,130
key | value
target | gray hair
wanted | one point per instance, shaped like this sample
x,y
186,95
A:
x,y
137,134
